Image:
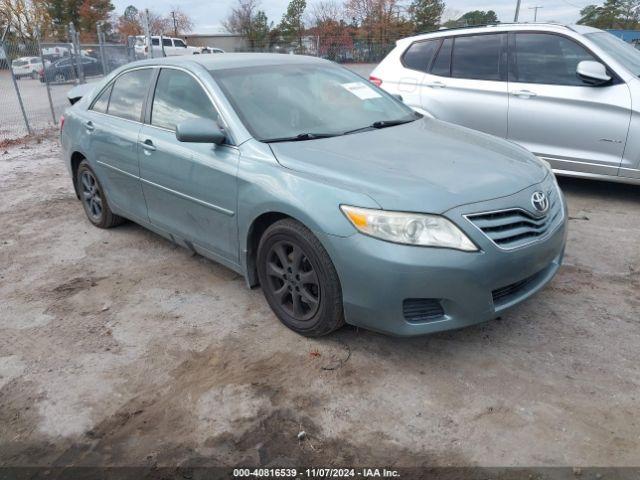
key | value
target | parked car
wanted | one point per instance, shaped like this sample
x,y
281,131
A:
x,y
569,94
169,47
211,50
339,200
57,51
67,69
26,67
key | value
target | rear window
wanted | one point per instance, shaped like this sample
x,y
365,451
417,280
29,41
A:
x,y
127,95
102,103
442,64
420,54
20,63
477,57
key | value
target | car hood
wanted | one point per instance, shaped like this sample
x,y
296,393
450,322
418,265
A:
x,y
423,166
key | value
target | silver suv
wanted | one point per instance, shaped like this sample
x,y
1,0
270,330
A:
x,y
569,94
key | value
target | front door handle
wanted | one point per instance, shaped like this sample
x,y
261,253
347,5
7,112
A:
x,y
524,93
148,145
89,126
436,84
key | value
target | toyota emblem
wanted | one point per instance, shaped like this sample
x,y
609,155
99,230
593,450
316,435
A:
x,y
540,202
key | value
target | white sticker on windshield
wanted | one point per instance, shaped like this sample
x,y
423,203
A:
x,y
361,90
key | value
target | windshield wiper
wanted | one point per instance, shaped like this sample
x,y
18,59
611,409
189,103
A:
x,y
301,137
381,124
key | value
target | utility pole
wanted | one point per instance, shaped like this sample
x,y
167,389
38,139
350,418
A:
x,y
515,19
175,24
535,12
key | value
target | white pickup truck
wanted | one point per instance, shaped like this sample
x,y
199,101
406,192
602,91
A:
x,y
169,47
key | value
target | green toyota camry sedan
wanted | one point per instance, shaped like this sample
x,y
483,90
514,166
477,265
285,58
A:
x,y
339,201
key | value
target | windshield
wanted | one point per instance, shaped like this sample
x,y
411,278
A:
x,y
618,49
304,102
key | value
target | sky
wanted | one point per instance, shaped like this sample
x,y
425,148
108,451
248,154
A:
x,y
208,15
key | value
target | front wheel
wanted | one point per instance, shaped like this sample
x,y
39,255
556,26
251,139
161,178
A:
x,y
299,280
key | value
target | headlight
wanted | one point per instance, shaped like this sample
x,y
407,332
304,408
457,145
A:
x,y
409,228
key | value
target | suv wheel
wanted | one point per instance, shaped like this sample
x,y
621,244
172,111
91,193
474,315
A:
x,y
299,280
94,199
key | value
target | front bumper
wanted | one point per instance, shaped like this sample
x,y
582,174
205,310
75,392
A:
x,y
377,277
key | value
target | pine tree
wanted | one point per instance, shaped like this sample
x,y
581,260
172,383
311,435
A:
x,y
292,25
426,14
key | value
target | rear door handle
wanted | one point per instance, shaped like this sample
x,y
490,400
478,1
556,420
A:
x,y
436,84
525,93
89,126
148,145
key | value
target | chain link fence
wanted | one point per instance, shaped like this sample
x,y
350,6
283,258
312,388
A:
x,y
35,76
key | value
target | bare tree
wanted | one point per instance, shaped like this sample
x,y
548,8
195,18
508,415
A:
x,y
246,19
181,22
25,16
379,21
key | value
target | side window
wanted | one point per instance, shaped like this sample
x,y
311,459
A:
x,y
547,58
420,54
178,43
128,93
102,103
166,42
178,97
155,41
442,64
477,57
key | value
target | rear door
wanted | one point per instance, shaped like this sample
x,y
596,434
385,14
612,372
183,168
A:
x,y
190,188
114,122
557,116
467,83
167,47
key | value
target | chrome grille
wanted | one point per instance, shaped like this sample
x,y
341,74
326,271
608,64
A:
x,y
515,227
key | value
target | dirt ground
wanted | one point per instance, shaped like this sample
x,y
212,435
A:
x,y
119,348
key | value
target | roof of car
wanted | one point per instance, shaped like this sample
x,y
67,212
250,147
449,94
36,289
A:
x,y
234,60
503,27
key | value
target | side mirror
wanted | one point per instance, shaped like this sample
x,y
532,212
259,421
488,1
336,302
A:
x,y
200,130
593,73
397,96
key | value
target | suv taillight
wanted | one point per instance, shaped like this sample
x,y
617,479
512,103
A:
x,y
375,80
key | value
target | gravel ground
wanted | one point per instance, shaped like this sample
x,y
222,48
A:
x,y
119,348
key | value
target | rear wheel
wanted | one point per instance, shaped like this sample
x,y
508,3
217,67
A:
x,y
94,199
299,280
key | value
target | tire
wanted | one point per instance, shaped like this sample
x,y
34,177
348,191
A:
x,y
94,199
299,280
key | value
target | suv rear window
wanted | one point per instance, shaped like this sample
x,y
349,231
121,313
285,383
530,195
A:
x,y
420,54
477,57
442,64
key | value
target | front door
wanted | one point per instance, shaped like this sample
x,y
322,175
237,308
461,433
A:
x,y
557,116
190,188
